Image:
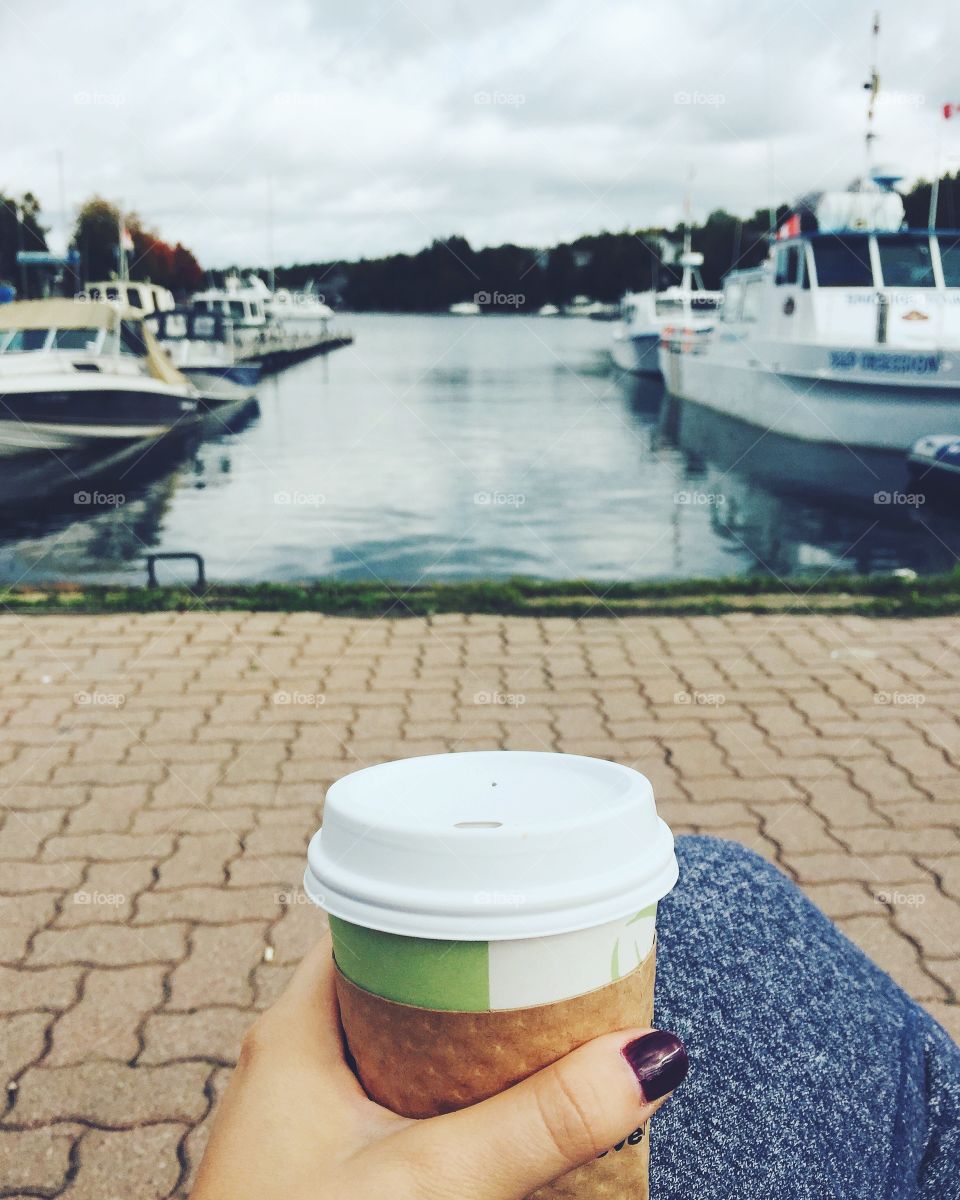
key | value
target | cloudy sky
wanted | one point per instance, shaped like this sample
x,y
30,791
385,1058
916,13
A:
x,y
381,124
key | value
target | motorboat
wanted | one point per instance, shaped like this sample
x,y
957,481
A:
x,y
934,460
145,298
85,373
243,303
464,308
548,310
645,315
849,332
205,348
299,312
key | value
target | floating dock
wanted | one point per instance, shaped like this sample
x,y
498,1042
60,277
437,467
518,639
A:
x,y
283,350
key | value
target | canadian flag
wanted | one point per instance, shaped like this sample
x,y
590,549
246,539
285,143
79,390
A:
x,y
790,228
126,238
951,110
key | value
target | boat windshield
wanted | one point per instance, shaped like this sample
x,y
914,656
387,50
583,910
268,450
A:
x,y
75,339
236,309
906,261
21,341
843,261
671,305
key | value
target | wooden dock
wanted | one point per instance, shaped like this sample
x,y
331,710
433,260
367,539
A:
x,y
283,350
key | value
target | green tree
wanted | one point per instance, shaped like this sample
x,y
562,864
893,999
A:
x,y
20,229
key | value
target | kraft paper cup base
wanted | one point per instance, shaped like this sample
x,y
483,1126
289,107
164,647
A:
x,y
420,1062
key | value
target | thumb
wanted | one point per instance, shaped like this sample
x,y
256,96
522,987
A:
x,y
563,1116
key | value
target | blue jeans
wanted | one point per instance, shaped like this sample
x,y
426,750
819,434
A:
x,y
812,1074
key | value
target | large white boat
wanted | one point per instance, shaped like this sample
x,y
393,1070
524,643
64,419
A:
x,y
849,333
645,315
84,373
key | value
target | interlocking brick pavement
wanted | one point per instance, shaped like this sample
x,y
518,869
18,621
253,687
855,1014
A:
x,y
161,774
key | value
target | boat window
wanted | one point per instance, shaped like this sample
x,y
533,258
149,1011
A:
x,y
843,261
131,339
134,298
906,262
202,305
25,340
751,301
235,309
175,325
205,327
113,293
666,307
704,303
94,294
950,259
732,300
75,339
788,264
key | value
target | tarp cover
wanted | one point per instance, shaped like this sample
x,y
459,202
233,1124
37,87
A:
x,y
62,312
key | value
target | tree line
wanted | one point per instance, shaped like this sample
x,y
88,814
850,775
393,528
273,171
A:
x,y
96,239
600,266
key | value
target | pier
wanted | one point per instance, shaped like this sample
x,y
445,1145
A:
x,y
278,351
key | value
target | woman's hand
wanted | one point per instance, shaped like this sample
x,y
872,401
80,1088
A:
x,y
294,1123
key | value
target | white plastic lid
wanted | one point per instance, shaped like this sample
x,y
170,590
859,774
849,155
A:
x,y
489,845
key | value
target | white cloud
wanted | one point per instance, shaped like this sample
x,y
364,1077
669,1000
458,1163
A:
x,y
385,124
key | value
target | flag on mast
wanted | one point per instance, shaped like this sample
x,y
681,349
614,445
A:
x,y
951,110
126,239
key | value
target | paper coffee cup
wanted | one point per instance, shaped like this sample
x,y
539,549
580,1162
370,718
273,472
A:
x,y
490,911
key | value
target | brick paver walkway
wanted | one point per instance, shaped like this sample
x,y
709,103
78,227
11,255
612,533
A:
x,y
162,774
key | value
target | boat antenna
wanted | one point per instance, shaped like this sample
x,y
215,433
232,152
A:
x,y
873,87
270,255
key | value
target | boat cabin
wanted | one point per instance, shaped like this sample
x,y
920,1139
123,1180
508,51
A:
x,y
898,289
851,274
190,325
142,297
243,308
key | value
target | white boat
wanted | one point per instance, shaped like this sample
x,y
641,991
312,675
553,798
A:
x,y
849,333
645,315
464,308
548,310
84,374
298,312
243,304
205,348
583,306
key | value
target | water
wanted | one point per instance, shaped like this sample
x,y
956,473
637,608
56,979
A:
x,y
452,448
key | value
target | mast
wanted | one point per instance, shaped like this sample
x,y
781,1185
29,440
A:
x,y
873,87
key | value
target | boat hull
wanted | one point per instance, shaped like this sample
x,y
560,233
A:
x,y
37,416
637,353
242,374
806,396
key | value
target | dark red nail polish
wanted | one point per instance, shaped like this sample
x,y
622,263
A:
x,y
659,1062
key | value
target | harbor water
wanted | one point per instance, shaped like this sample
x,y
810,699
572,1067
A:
x,y
442,447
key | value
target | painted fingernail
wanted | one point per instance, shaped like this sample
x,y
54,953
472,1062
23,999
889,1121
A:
x,y
659,1061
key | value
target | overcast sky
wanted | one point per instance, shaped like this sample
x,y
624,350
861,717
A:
x,y
385,123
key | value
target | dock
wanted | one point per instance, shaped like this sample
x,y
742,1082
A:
x,y
276,351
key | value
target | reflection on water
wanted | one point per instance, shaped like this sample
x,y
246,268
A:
x,y
450,448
